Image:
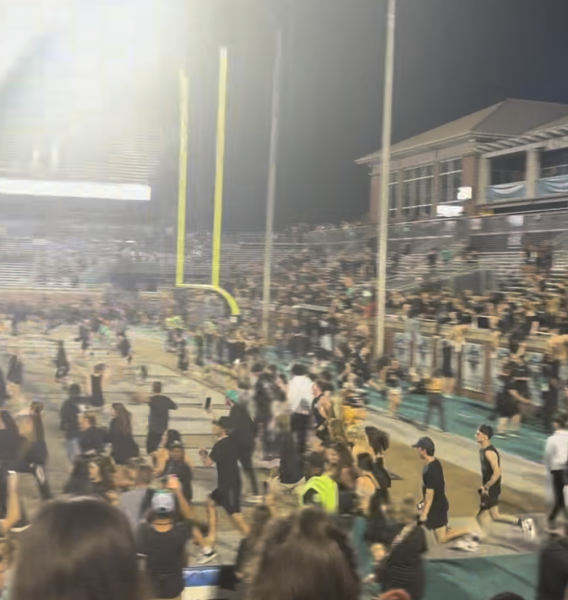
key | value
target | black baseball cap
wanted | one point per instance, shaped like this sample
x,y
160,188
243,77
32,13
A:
x,y
223,423
425,443
486,429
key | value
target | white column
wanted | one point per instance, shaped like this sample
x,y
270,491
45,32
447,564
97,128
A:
x,y
533,171
483,180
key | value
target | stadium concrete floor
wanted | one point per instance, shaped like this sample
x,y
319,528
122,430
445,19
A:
x,y
523,491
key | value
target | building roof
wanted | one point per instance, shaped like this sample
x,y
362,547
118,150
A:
x,y
510,118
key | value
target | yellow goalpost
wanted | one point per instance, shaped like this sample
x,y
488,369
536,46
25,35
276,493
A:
x,y
219,182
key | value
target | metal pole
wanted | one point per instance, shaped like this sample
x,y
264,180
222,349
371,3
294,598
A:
x,y
382,225
182,186
220,166
272,171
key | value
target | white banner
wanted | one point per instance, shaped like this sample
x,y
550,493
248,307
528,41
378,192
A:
x,y
423,355
401,350
473,367
534,360
497,362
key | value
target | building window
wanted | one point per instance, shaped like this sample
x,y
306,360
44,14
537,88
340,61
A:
x,y
393,195
554,163
508,169
450,180
418,190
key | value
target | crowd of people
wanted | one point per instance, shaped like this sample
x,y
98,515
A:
x,y
325,521
330,491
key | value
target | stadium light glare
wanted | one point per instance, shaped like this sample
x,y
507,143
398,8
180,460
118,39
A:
x,y
75,189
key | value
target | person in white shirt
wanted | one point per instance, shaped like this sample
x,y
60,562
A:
x,y
555,460
300,400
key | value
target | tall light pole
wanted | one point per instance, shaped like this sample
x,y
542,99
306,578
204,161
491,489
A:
x,y
271,197
383,212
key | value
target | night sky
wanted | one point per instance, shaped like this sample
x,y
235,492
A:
x,y
452,57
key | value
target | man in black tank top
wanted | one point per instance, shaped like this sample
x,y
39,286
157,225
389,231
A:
x,y
490,489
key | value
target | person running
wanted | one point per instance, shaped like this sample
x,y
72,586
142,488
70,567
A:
x,y
242,433
61,362
228,491
84,336
159,417
491,479
435,506
69,421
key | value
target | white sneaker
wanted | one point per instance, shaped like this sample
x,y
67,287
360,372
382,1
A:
x,y
467,544
207,557
527,525
255,500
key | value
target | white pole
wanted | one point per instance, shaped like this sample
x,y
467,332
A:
x,y
271,197
383,212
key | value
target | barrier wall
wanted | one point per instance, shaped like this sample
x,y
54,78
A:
x,y
476,361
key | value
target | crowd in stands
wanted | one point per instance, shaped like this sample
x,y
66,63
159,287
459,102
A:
x,y
123,526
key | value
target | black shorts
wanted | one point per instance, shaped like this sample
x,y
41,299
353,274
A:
x,y
491,500
84,345
229,499
436,521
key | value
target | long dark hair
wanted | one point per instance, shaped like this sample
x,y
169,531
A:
x,y
123,420
378,440
172,435
305,555
92,554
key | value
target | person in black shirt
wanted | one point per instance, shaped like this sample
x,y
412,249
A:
x,y
69,421
490,489
91,437
125,348
228,491
61,362
163,542
435,505
242,433
94,386
15,375
553,569
84,337
177,464
10,441
159,416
